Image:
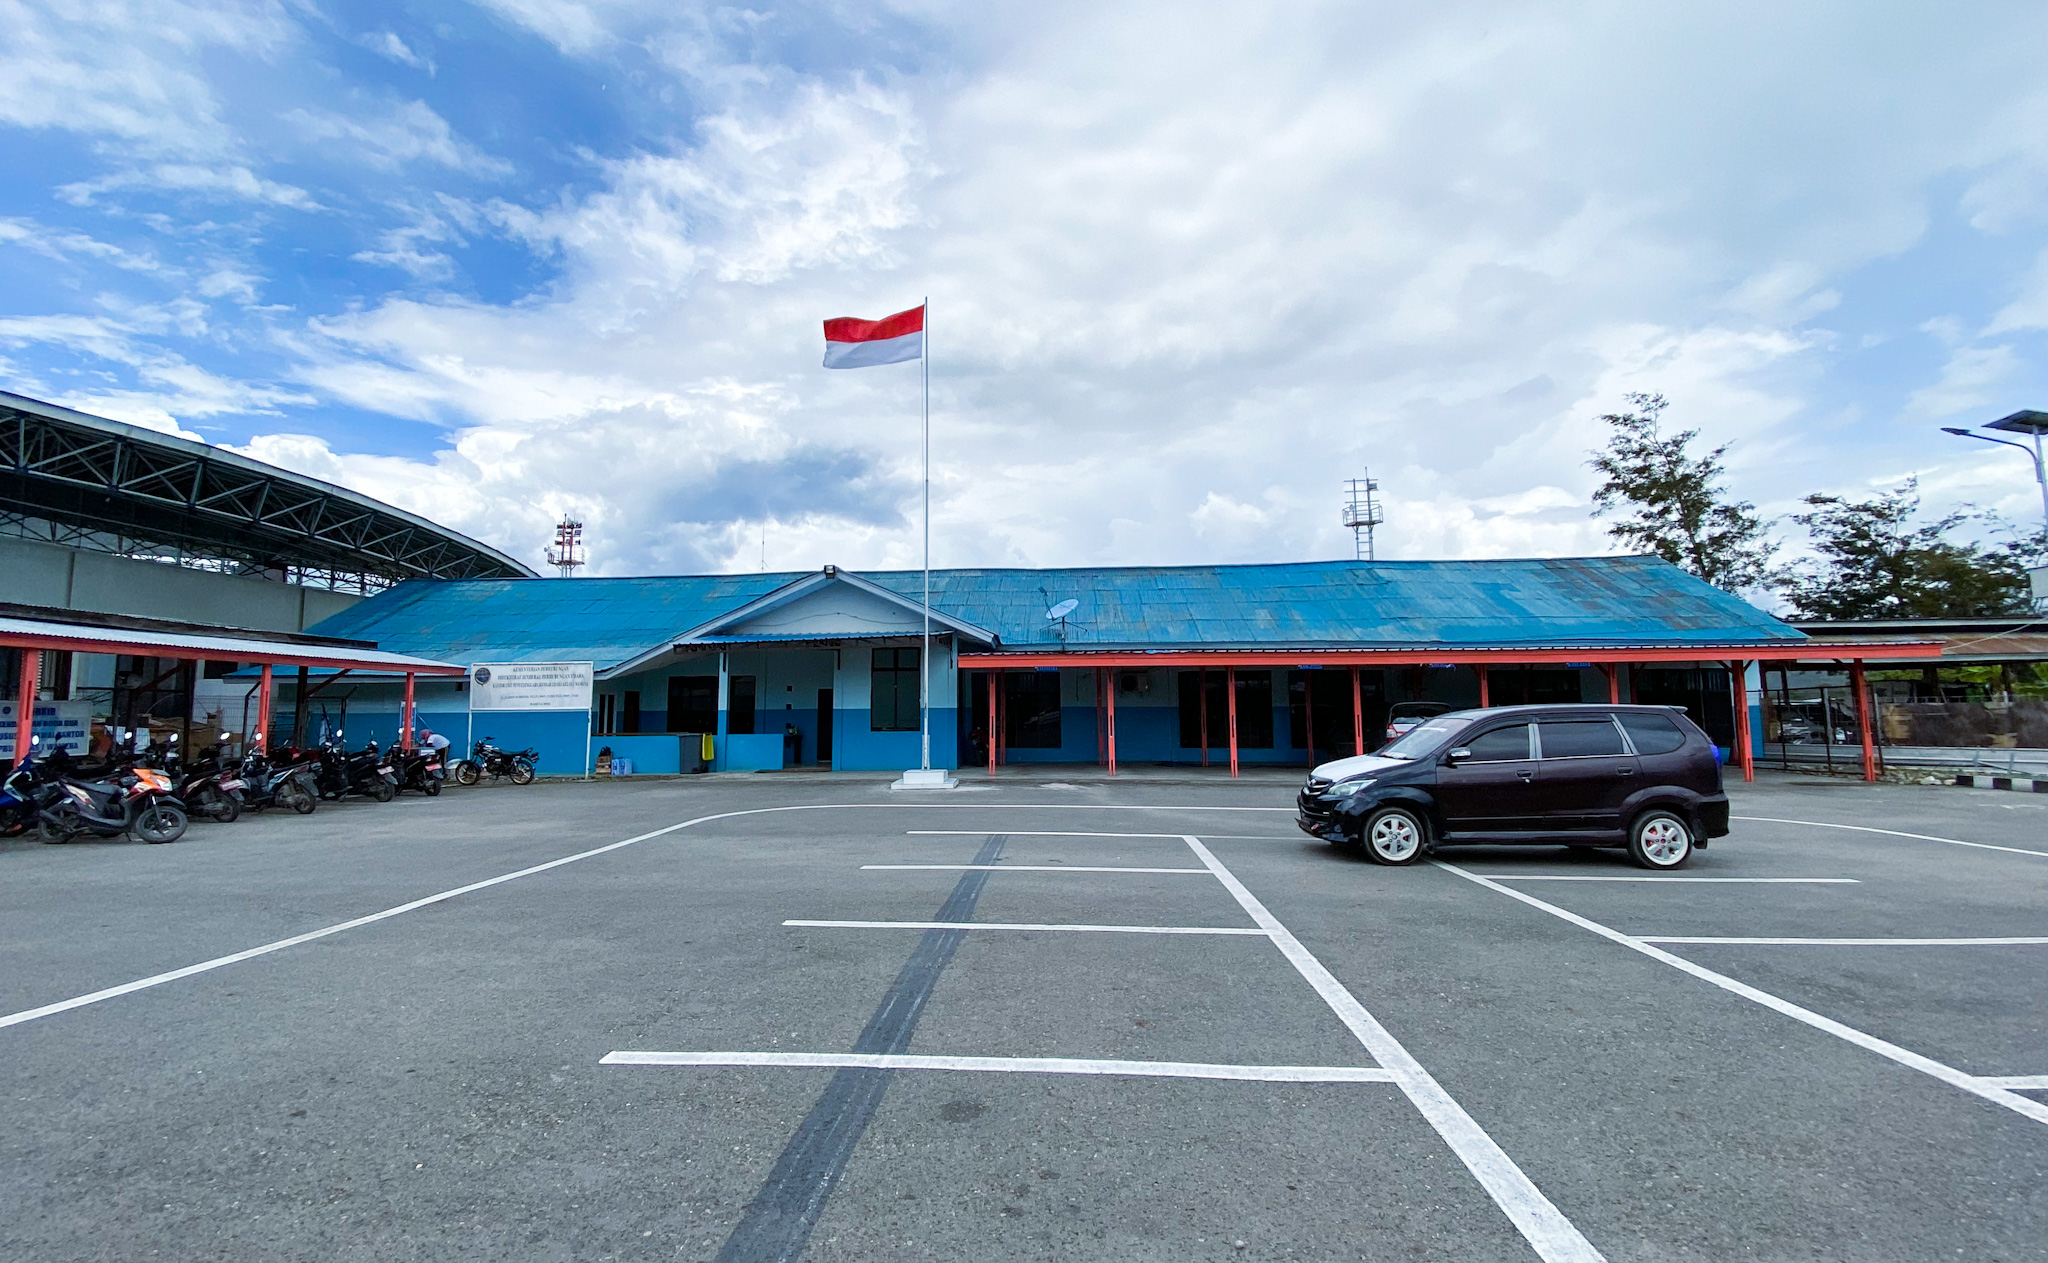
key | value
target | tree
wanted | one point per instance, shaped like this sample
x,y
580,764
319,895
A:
x,y
1671,502
1871,561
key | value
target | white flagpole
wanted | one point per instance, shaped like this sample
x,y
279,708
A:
x,y
924,676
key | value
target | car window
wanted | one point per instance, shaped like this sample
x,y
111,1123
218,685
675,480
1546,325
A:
x,y
1422,739
1651,734
1578,738
1500,744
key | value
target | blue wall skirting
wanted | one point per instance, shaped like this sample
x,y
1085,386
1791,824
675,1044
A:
x,y
857,748
1151,734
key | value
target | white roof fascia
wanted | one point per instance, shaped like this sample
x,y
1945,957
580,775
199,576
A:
x,y
782,596
221,648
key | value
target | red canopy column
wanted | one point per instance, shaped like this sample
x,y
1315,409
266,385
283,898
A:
x,y
405,719
1483,671
1858,682
1112,723
1745,751
991,721
262,744
25,701
1609,670
1230,692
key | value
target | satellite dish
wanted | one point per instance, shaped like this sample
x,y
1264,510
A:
x,y
1061,610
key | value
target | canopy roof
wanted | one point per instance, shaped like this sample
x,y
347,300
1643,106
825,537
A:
x,y
121,488
33,627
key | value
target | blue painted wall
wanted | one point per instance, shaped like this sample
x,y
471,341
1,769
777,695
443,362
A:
x,y
857,748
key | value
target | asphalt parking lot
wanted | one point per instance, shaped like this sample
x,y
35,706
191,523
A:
x,y
745,1020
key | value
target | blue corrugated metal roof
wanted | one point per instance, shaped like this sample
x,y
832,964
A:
x,y
1562,602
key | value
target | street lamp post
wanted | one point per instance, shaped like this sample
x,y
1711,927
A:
x,y
2034,423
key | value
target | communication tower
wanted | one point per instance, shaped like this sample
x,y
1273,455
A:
x,y
567,552
1362,513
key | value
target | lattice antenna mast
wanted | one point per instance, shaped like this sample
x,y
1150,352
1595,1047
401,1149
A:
x,y
567,552
1362,513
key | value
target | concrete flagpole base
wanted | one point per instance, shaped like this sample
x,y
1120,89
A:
x,y
926,778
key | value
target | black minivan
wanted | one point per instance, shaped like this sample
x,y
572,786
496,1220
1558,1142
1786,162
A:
x,y
1641,777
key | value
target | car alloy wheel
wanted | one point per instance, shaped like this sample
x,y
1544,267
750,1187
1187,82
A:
x,y
1393,835
1660,839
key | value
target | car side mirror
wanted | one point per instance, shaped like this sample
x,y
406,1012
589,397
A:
x,y
1457,756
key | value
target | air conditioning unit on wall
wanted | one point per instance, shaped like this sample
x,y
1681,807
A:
x,y
1139,682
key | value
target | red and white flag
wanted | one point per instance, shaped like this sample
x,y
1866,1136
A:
x,y
851,343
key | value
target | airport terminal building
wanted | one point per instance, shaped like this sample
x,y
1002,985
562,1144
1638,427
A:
x,y
1197,665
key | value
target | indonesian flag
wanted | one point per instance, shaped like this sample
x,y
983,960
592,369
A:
x,y
893,339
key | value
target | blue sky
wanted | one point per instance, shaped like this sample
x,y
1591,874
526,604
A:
x,y
1191,265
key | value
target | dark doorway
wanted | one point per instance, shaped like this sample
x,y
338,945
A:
x,y
1527,686
1031,710
825,726
1702,691
1327,693
693,703
739,706
630,720
1195,696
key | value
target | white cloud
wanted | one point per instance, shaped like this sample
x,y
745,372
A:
x,y
1969,380
231,182
387,44
404,132
58,243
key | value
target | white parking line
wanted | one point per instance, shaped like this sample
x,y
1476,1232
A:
x,y
1760,881
1847,942
2026,1082
1904,1056
1027,868
1541,1223
1026,833
1923,837
1001,925
1011,1065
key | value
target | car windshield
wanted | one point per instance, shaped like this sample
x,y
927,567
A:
x,y
1422,739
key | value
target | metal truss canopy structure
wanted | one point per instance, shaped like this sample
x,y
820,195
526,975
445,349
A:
x,y
71,478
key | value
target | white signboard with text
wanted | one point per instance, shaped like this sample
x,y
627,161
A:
x,y
65,724
531,685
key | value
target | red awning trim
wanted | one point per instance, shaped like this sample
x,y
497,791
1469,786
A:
x,y
1465,657
229,649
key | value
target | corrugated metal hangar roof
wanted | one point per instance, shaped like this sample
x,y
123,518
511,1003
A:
x,y
1568,602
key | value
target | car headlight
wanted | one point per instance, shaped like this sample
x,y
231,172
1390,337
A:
x,y
1344,789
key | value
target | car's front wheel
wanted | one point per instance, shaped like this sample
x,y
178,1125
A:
x,y
1393,835
1660,839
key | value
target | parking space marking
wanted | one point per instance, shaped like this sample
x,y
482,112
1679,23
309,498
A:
x,y
1758,881
1001,925
1540,1222
1031,833
1864,828
1870,1043
1846,942
2024,1082
1028,868
1013,1065
234,958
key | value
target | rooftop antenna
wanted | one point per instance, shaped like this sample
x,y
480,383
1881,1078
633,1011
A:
x,y
567,552
1362,513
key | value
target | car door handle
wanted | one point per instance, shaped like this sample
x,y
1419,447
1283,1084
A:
x,y
1526,774
1624,771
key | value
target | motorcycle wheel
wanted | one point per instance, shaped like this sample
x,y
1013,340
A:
x,y
432,787
159,823
465,772
522,772
384,792
61,825
300,801
224,808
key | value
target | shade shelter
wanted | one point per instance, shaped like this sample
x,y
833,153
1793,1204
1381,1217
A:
x,y
31,629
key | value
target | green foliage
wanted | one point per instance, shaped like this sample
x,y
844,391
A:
x,y
1671,503
1872,562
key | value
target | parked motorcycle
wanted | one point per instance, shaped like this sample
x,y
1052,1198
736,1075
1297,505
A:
x,y
18,797
421,769
210,787
290,783
138,803
486,759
